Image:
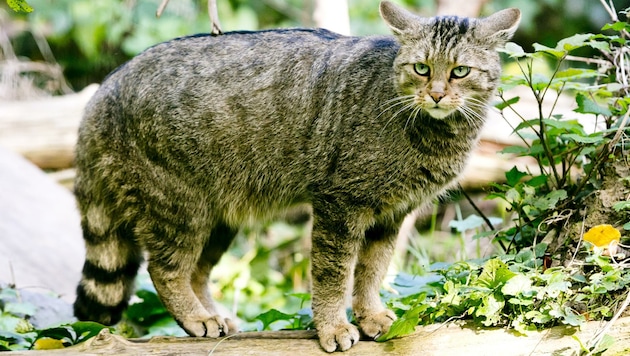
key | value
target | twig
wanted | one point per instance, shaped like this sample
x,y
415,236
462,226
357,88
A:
x,y
601,333
215,26
161,8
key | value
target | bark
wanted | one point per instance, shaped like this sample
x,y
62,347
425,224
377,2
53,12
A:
x,y
450,339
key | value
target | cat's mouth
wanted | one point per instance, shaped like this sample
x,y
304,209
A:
x,y
438,112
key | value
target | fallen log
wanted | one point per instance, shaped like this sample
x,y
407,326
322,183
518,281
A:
x,y
44,130
449,339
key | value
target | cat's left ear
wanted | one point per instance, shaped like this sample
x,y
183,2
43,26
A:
x,y
499,27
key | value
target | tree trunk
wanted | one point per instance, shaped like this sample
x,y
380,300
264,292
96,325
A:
x,y
468,8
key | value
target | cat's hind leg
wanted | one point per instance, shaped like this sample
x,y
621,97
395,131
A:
x,y
220,239
174,252
372,263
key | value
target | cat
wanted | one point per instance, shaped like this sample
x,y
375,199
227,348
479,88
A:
x,y
200,135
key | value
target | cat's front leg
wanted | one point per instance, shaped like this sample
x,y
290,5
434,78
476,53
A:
x,y
333,253
374,257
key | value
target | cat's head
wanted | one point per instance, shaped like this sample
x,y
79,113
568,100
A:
x,y
449,64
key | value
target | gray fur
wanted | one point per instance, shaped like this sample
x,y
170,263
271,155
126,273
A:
x,y
197,136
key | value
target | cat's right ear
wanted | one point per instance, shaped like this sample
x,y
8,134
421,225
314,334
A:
x,y
397,18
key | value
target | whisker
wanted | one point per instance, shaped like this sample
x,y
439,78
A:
x,y
407,102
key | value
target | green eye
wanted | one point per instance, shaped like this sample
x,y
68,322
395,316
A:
x,y
460,72
422,69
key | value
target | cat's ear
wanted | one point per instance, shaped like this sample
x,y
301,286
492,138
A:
x,y
397,18
499,27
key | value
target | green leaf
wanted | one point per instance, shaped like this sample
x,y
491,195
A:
x,y
495,273
86,329
617,26
518,285
20,308
537,181
19,6
621,205
506,103
514,50
566,125
574,42
514,176
471,222
577,73
58,333
550,200
401,326
490,308
594,138
519,150
273,315
626,226
544,49
588,106
148,310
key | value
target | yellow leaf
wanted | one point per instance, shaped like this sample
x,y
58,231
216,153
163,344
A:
x,y
602,235
47,343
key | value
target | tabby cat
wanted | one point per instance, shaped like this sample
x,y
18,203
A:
x,y
200,135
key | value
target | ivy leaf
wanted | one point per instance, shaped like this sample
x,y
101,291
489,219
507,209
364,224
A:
x,y
518,285
588,106
19,6
495,273
490,308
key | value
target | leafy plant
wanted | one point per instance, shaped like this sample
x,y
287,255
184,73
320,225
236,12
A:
x,y
17,333
570,158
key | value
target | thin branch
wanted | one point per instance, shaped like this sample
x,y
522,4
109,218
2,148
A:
x,y
161,8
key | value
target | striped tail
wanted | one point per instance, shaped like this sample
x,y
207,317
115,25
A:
x,y
111,264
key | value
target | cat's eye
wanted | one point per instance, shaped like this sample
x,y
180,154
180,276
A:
x,y
460,72
422,69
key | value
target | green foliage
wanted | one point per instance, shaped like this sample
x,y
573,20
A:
x,y
513,291
569,157
19,6
17,333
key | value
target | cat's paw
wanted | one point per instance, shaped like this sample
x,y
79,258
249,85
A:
x,y
338,337
377,324
209,326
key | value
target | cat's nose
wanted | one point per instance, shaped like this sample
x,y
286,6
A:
x,y
437,95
